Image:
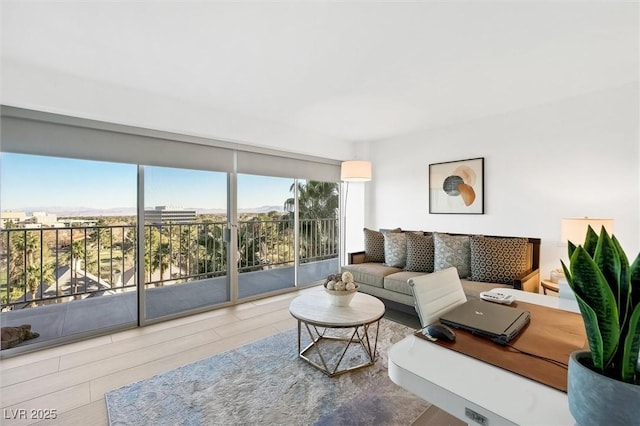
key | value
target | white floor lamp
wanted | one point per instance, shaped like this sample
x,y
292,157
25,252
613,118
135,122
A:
x,y
351,171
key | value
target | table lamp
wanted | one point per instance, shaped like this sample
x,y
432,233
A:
x,y
575,230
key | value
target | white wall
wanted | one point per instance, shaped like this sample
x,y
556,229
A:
x,y
572,158
32,87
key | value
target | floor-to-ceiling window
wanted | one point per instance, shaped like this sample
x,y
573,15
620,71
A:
x,y
319,236
106,226
266,235
185,253
67,246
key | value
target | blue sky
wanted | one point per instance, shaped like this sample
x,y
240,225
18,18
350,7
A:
x,y
34,181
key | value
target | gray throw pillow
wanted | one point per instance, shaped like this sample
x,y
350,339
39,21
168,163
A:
x,y
395,249
419,252
498,260
452,251
373,246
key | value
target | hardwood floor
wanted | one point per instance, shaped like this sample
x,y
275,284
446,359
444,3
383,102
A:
x,y
72,379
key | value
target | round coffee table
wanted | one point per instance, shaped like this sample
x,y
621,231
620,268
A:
x,y
320,318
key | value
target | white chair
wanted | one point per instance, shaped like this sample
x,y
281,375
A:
x,y
436,293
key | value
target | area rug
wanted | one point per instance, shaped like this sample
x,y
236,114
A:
x,y
266,383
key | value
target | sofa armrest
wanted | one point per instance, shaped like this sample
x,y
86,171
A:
x,y
529,281
356,257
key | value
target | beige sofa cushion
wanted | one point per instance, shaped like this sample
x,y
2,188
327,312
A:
x,y
398,282
372,274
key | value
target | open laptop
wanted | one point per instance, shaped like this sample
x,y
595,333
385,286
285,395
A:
x,y
499,323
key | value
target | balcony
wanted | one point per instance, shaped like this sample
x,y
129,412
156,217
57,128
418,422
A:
x,y
81,281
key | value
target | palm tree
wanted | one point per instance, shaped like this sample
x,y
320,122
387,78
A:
x,y
161,259
78,253
158,253
102,234
213,259
24,246
186,238
37,274
317,201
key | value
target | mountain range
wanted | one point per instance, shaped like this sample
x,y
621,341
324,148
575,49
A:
x,y
130,211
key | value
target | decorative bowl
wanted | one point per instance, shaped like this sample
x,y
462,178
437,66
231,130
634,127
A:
x,y
341,297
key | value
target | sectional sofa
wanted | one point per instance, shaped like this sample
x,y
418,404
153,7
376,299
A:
x,y
392,257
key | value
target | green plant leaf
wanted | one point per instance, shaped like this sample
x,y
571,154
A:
x,y
607,259
591,288
594,337
631,347
591,241
571,248
634,279
624,294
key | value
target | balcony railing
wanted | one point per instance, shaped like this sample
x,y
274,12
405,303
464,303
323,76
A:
x,y
55,265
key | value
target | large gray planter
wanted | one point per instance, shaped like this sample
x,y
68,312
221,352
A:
x,y
595,399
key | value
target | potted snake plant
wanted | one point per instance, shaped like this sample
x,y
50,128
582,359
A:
x,y
604,382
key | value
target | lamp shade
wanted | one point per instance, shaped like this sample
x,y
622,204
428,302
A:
x,y
575,229
355,171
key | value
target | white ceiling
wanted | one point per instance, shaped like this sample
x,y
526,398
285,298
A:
x,y
351,71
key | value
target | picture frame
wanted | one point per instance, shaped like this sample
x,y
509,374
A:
x,y
457,187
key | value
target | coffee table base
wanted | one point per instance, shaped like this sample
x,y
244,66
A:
x,y
359,336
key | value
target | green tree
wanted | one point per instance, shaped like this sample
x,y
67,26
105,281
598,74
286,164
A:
x,y
77,255
37,274
318,205
101,235
161,259
187,249
24,252
158,254
213,250
316,200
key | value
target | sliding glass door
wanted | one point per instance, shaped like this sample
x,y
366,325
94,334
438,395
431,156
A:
x,y
266,235
185,253
319,236
67,245
105,226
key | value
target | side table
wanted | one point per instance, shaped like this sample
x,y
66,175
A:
x,y
320,318
549,285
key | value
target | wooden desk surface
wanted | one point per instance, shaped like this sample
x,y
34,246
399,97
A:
x,y
551,333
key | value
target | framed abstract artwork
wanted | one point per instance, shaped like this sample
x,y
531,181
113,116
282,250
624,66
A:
x,y
457,187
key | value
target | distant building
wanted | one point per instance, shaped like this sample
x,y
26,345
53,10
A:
x,y
14,217
162,215
47,219
36,220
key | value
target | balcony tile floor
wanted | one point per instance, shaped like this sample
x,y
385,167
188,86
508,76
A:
x,y
81,318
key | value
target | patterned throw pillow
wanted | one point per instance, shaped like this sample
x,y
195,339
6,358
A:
x,y
373,246
395,249
452,250
498,260
419,253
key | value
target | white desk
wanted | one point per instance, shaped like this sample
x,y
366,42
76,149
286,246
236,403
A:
x,y
456,383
